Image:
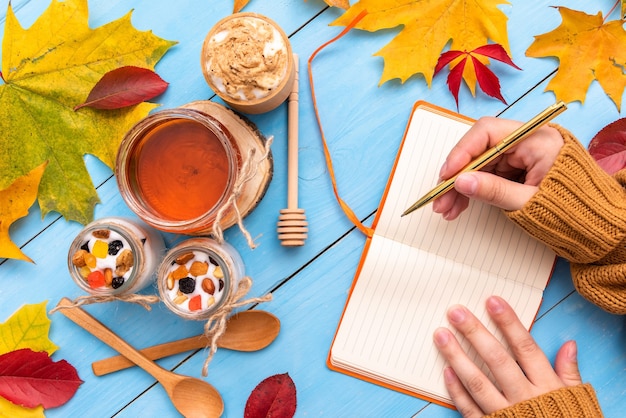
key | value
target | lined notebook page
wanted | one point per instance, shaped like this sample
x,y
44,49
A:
x,y
418,265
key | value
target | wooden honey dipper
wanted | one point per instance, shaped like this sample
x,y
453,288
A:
x,y
292,225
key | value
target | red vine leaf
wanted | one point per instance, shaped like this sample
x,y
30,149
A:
x,y
608,147
487,80
274,397
123,87
30,378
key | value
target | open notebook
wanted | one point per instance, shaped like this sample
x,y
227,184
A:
x,y
414,267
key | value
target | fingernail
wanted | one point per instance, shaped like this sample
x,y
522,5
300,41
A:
x,y
443,169
457,315
466,184
448,375
436,205
572,353
494,305
441,337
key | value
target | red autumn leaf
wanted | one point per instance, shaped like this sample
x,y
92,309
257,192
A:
x,y
30,378
487,80
446,58
608,147
454,79
496,52
124,86
274,397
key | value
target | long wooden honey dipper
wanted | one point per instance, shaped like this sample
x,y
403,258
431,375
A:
x,y
292,224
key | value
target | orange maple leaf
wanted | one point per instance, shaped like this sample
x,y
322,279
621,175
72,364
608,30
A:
x,y
14,203
588,49
428,26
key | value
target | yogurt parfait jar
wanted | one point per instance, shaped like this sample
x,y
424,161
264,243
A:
x,y
115,256
198,276
247,60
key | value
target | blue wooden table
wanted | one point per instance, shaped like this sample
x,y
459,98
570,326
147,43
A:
x,y
364,123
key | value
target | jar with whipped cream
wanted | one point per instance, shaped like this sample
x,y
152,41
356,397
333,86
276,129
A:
x,y
198,276
248,62
115,256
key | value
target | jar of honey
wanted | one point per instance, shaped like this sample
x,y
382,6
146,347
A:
x,y
198,276
176,169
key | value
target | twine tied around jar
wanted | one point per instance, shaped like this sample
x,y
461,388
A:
x,y
143,300
216,324
247,172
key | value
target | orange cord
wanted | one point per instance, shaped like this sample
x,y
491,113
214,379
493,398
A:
x,y
346,209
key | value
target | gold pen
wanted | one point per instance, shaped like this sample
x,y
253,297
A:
x,y
508,142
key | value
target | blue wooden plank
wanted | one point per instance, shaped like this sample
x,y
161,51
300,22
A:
x,y
364,123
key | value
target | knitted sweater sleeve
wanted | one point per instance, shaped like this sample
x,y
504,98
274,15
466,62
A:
x,y
580,212
569,402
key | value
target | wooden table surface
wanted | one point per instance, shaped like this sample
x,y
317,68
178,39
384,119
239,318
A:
x,y
364,123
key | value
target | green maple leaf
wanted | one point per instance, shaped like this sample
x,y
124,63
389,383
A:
x,y
28,327
48,69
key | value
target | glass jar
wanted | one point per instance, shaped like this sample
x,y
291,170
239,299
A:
x,y
115,256
198,276
248,61
176,168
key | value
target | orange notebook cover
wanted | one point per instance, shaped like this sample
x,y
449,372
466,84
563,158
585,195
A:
x,y
414,267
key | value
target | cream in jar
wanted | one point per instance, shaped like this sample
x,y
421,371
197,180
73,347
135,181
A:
x,y
198,276
114,256
247,60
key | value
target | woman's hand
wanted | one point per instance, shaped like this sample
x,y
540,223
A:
x,y
522,375
510,180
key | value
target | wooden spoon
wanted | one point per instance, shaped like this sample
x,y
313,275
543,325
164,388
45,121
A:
x,y
190,396
246,331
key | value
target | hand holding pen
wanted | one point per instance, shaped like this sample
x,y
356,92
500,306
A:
x,y
509,176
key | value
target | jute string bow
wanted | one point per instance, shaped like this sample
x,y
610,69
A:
x,y
143,300
216,324
247,172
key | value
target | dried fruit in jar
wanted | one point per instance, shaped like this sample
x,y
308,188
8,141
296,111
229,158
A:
x,y
187,285
198,268
100,249
208,286
78,258
124,262
195,303
115,247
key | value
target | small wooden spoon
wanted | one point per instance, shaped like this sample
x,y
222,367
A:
x,y
246,331
191,397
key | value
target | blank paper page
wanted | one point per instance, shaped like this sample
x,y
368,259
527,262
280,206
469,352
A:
x,y
419,265
481,237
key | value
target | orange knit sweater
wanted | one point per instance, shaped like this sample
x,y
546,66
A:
x,y
580,212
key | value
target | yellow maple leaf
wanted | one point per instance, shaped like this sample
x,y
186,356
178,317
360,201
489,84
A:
x,y
428,26
14,204
588,49
28,327
10,410
48,69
